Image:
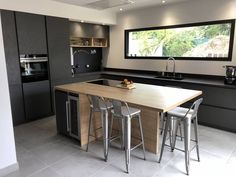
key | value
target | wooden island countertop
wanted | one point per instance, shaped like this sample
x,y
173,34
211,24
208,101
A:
x,y
160,98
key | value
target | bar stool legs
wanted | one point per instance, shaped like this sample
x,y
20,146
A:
x,y
173,125
104,116
125,134
89,129
164,138
141,134
196,137
187,132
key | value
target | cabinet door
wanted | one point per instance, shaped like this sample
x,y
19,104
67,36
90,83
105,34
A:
x,y
81,29
31,32
62,118
37,98
11,47
217,117
17,104
59,48
100,31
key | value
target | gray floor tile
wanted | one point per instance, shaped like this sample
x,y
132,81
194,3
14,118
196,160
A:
x,y
32,137
114,151
28,164
209,165
232,158
218,143
48,124
80,164
47,172
113,171
53,152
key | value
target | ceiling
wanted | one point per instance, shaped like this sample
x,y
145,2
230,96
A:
x,y
115,5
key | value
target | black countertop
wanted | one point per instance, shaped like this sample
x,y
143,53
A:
x,y
218,81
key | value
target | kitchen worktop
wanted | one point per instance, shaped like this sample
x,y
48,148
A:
x,y
216,81
157,97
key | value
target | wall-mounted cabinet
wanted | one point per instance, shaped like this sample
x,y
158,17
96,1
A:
x,y
88,35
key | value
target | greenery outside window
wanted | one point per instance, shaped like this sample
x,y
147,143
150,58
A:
x,y
197,41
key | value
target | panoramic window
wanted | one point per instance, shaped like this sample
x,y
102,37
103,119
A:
x,y
199,41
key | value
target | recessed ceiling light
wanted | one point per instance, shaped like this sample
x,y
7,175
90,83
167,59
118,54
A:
x,y
163,1
82,21
131,2
121,9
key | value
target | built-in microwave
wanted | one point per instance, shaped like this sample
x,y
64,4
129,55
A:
x,y
34,67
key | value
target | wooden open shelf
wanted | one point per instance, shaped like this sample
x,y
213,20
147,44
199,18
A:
x,y
88,42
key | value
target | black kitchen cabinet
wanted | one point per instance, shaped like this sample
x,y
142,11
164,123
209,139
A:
x,y
61,106
37,97
58,48
13,66
217,117
17,104
87,30
100,31
31,33
11,47
81,29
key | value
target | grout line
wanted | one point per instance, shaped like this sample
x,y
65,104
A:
x,y
37,171
231,155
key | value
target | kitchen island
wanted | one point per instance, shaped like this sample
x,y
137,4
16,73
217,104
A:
x,y
152,100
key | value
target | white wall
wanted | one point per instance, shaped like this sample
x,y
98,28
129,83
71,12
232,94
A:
x,y
185,12
7,142
53,8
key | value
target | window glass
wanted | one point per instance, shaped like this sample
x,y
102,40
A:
x,y
206,41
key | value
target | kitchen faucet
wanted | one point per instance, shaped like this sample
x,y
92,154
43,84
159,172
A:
x,y
167,62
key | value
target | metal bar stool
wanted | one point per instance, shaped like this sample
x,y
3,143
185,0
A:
x,y
184,115
98,104
162,123
122,111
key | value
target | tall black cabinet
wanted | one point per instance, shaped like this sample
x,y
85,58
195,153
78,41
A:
x,y
58,51
13,68
31,33
58,48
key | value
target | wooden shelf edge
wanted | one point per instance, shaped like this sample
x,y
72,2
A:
x,y
88,46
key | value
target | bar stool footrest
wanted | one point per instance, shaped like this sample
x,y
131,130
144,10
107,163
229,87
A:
x,y
136,146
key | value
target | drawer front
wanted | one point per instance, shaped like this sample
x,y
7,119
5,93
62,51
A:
x,y
217,117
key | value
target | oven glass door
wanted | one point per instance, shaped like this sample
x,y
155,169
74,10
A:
x,y
34,71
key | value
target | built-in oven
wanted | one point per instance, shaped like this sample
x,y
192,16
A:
x,y
34,67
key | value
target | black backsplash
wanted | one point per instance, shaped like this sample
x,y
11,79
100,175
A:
x,y
87,59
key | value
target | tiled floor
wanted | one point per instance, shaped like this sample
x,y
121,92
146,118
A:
x,y
43,153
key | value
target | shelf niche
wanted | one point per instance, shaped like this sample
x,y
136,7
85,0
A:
x,y
88,42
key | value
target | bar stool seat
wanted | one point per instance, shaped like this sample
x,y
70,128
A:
x,y
181,112
125,113
103,105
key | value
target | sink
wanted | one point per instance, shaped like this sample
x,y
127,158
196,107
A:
x,y
170,76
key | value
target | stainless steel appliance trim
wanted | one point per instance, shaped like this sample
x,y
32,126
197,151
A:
x,y
71,134
31,60
67,116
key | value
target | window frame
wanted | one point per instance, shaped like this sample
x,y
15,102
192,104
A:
x,y
231,42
